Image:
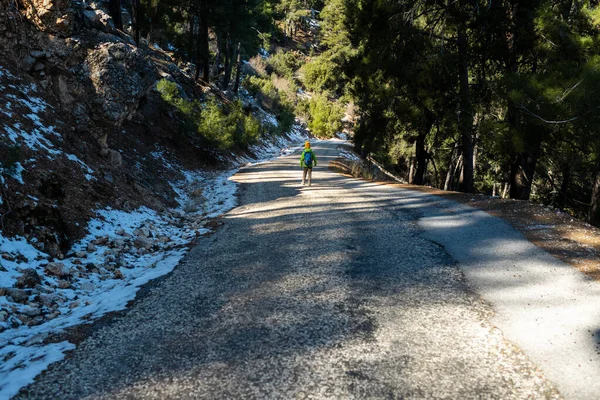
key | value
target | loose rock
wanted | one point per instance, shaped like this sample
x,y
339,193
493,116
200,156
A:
x,y
29,279
31,311
142,242
63,284
17,295
56,269
118,275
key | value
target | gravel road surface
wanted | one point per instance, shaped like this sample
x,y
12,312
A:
x,y
335,291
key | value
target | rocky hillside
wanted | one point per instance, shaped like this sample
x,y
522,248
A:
x,y
81,119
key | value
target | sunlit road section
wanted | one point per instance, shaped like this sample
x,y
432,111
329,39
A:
x,y
346,290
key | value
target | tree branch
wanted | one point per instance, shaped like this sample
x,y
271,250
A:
x,y
566,121
568,92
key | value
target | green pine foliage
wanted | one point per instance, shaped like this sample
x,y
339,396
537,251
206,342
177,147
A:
x,y
222,126
325,116
507,87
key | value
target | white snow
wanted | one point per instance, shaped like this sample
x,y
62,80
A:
x,y
350,155
96,290
84,166
15,172
29,107
17,370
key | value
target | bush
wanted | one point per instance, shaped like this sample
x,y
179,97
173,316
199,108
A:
x,y
259,66
285,64
325,116
228,126
223,126
319,75
175,96
278,102
264,90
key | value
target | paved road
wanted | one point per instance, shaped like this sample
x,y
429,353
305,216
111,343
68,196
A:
x,y
334,291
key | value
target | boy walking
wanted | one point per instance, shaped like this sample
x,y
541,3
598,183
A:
x,y
307,161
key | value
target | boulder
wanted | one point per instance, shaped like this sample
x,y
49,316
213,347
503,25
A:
x,y
62,284
56,269
63,91
47,299
31,311
98,19
115,159
38,53
91,267
29,279
87,286
121,76
17,295
142,242
91,18
27,63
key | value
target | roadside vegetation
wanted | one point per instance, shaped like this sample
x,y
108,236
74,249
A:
x,y
496,97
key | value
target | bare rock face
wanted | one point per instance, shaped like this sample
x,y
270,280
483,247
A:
x,y
51,16
121,76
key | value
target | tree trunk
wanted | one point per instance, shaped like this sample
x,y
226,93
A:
x,y
475,151
136,19
566,9
505,190
411,171
238,69
421,158
451,167
191,35
205,54
521,175
229,57
594,217
523,168
217,64
198,51
202,53
466,113
459,169
114,9
564,186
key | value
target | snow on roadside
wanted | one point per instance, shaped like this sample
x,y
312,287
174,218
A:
x,y
40,296
32,129
350,155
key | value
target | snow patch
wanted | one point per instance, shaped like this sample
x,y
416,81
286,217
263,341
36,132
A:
x,y
141,245
15,172
18,370
349,155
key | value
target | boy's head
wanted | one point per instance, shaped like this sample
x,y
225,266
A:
x,y
307,145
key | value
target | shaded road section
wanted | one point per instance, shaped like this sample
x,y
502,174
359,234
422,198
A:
x,y
329,291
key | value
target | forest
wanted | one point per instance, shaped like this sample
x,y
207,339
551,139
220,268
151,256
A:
x,y
496,97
